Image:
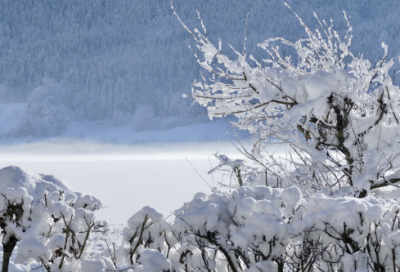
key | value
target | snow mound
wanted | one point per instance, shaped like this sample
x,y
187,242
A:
x,y
15,177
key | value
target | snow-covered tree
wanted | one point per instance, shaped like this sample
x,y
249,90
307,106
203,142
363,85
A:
x,y
336,112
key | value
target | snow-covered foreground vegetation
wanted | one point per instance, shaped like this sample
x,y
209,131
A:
x,y
219,222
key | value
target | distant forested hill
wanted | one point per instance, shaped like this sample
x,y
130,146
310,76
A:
x,y
110,59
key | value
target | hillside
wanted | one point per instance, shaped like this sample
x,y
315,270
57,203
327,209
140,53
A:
x,y
106,61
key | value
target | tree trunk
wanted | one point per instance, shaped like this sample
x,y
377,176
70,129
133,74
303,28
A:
x,y
238,175
281,266
363,194
7,250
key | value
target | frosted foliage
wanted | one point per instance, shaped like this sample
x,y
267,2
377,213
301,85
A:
x,y
147,229
337,113
209,232
52,223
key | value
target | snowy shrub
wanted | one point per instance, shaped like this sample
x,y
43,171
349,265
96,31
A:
x,y
142,226
51,223
211,233
242,228
262,229
45,115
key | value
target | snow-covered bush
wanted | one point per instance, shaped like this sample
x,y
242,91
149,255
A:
x,y
236,230
146,244
274,229
217,232
261,229
51,223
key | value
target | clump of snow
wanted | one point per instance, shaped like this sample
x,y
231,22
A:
x,y
93,265
152,261
52,223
